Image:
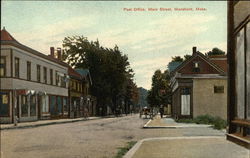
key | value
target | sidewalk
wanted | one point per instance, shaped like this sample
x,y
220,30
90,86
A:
x,y
187,147
159,122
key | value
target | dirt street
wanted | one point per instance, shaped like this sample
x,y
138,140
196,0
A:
x,y
86,139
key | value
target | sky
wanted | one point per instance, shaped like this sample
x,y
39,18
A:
x,y
149,38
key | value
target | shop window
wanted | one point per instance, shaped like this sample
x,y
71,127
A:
x,y
24,106
45,104
4,104
65,106
59,105
17,67
2,66
33,105
218,89
240,76
52,105
248,70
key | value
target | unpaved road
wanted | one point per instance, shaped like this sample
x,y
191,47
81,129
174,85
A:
x,y
86,139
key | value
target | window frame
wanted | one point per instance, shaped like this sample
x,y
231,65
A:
x,y
38,73
4,69
45,75
17,67
28,70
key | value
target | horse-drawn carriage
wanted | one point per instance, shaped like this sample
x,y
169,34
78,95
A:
x,y
147,112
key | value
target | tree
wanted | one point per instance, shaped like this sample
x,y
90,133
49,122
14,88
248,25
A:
x,y
187,56
177,59
215,51
109,68
160,89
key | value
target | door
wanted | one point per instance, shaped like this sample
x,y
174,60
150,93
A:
x,y
185,101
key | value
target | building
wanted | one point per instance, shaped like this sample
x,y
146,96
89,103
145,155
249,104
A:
x,y
199,87
239,72
33,85
89,100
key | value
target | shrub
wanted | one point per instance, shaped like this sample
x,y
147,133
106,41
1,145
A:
x,y
122,151
217,122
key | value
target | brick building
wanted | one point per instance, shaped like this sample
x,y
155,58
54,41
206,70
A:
x,y
199,87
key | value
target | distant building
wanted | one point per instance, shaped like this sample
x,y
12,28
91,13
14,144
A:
x,y
199,87
33,85
239,72
80,99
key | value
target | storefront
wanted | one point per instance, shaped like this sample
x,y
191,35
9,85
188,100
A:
x,y
239,72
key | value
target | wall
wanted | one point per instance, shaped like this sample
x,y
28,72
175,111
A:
x,y
205,101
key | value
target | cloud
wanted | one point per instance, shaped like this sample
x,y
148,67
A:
x,y
52,34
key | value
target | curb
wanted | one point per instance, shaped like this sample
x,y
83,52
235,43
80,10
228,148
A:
x,y
53,123
45,124
133,150
177,126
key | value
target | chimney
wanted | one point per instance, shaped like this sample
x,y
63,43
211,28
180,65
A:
x,y
194,50
59,54
52,50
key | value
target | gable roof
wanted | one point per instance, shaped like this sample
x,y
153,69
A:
x,y
206,59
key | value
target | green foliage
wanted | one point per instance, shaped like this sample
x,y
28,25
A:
x,y
160,89
217,122
124,150
215,51
143,93
177,59
109,68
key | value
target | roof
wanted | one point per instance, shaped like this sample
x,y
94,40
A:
x,y
8,39
84,72
220,60
5,36
220,66
73,73
173,65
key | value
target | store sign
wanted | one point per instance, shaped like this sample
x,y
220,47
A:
x,y
21,92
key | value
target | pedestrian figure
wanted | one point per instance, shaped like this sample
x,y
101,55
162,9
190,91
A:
x,y
161,110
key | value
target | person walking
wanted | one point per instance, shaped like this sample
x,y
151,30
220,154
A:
x,y
161,110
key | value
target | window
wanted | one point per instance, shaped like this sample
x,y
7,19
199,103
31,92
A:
x,y
63,82
218,89
240,74
4,104
38,71
28,70
24,106
45,104
57,78
3,66
17,67
33,105
51,76
196,67
248,70
45,74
